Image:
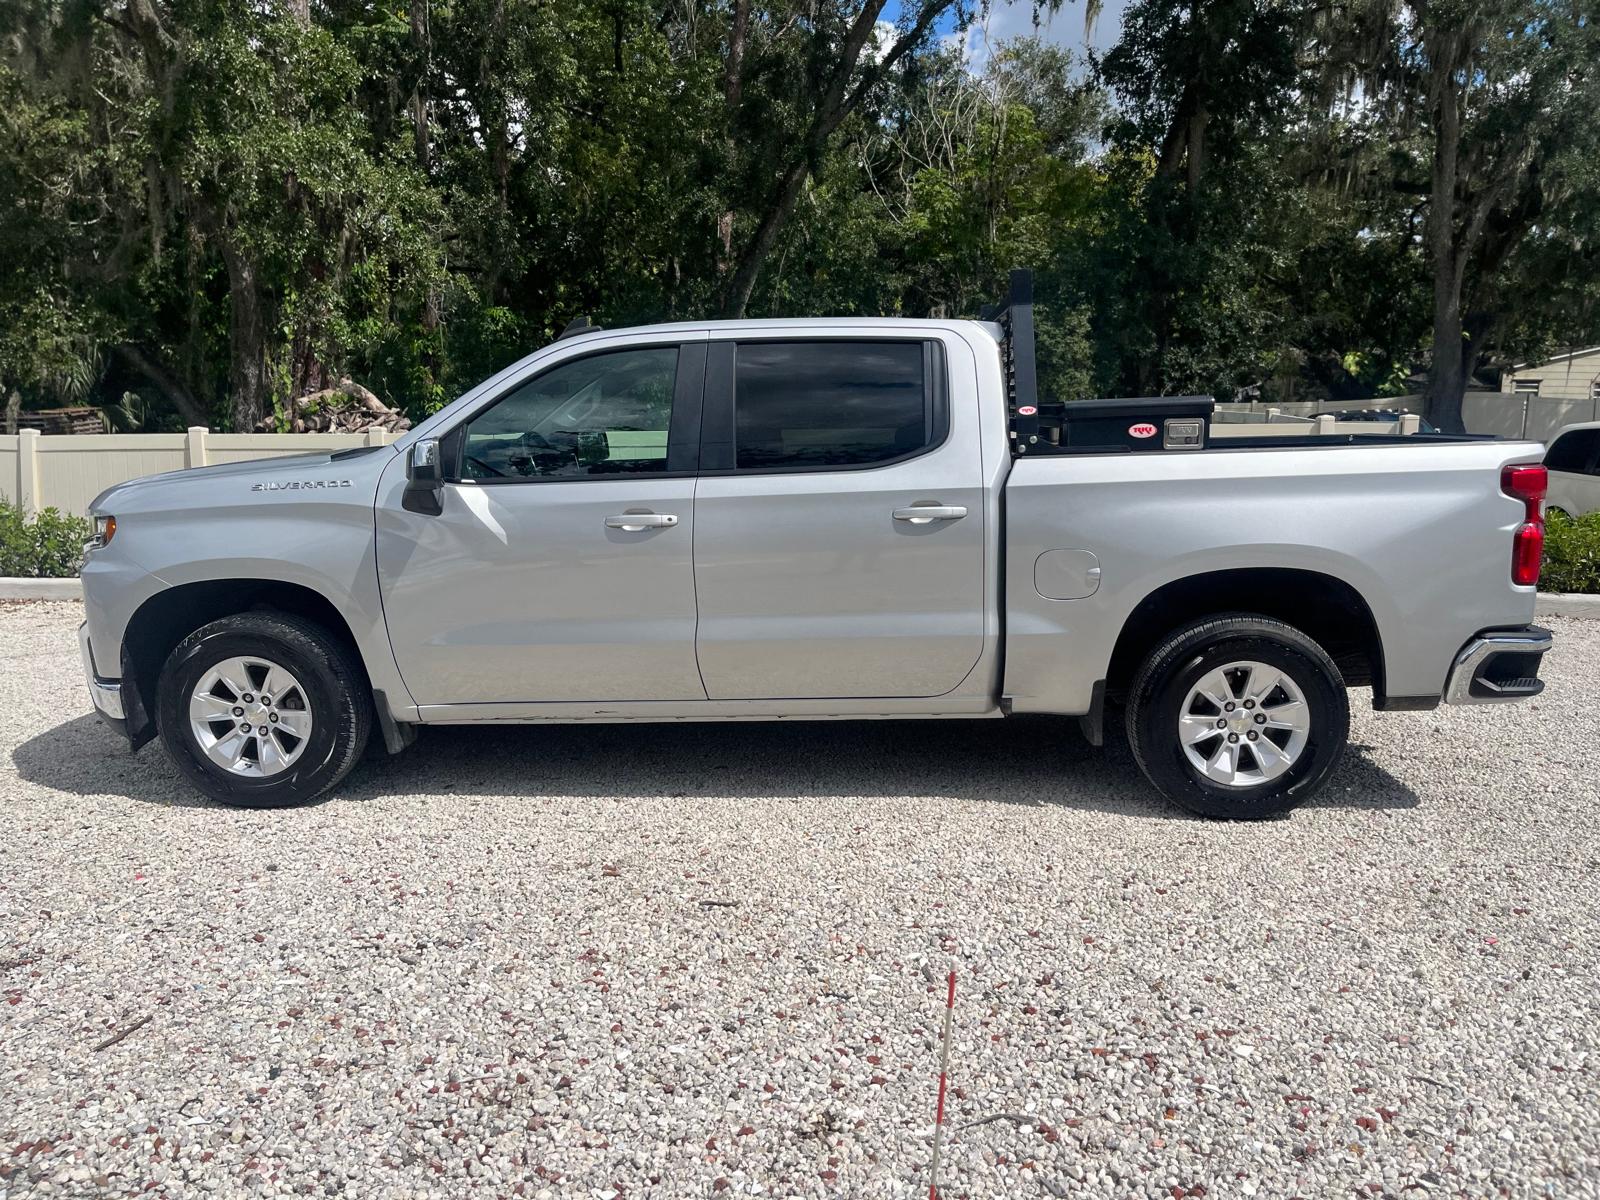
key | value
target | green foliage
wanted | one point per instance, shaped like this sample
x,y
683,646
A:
x,y
46,546
1571,554
214,207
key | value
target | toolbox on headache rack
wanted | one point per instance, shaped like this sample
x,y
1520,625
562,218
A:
x,y
1038,426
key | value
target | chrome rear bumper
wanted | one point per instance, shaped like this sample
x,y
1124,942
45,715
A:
x,y
1498,666
105,696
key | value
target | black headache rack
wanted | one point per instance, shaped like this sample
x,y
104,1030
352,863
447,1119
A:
x,y
1144,423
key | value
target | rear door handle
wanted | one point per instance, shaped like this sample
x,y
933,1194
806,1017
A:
x,y
636,522
924,514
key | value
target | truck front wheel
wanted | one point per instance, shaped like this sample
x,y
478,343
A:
x,y
263,709
1238,717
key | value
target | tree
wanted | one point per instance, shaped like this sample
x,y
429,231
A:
x,y
1194,244
820,63
1493,103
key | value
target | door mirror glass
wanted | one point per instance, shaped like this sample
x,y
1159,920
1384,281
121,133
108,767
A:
x,y
422,465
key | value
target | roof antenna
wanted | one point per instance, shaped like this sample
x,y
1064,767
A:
x,y
577,325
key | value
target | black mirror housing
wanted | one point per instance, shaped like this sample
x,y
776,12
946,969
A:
x,y
424,478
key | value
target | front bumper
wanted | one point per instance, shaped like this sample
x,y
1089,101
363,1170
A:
x,y
1498,666
105,695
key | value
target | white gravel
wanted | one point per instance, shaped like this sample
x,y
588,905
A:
x,y
708,960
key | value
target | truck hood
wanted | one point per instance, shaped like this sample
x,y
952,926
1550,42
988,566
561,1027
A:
x,y
356,467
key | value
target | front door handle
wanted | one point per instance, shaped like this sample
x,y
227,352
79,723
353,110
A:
x,y
925,514
636,522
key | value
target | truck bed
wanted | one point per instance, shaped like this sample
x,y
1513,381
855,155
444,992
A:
x,y
1415,527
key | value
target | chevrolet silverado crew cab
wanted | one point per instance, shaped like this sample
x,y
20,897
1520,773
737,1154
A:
x,y
814,519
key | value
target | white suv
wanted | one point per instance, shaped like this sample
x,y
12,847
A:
x,y
1574,464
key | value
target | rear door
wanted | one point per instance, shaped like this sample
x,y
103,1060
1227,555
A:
x,y
839,520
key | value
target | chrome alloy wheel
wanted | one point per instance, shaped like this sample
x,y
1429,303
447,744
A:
x,y
250,716
1244,724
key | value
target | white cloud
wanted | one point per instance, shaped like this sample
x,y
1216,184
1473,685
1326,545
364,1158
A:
x,y
883,37
1014,18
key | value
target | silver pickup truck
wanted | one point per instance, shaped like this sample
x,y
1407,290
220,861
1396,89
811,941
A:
x,y
814,519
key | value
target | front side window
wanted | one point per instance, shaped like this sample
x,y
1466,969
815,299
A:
x,y
607,414
829,403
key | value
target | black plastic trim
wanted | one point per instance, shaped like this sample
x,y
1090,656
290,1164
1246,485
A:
x,y
355,452
1093,722
688,401
1405,703
396,735
136,725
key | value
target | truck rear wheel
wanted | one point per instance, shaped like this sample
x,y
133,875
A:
x,y
1238,717
263,709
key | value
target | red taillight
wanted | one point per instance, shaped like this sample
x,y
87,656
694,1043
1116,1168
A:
x,y
1527,548
1527,482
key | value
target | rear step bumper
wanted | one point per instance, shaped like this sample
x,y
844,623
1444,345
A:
x,y
1498,666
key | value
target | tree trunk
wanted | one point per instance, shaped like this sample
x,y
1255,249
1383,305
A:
x,y
1447,373
755,254
732,94
422,42
247,341
497,138
836,100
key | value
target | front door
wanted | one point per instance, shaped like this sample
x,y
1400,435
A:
x,y
561,567
839,535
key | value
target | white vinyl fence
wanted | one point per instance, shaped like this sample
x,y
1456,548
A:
x,y
1499,414
67,471
1507,415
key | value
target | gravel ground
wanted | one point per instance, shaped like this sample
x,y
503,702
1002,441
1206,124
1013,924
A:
x,y
702,961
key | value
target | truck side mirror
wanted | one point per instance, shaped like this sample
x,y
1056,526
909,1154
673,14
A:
x,y
424,478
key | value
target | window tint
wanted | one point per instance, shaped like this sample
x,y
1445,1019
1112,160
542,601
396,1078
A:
x,y
822,404
1572,451
603,415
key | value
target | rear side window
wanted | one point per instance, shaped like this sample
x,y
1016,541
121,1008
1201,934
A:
x,y
830,404
1572,451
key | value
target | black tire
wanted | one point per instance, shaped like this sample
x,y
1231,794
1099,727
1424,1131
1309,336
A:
x,y
1165,680
335,687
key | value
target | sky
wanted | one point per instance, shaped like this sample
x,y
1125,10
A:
x,y
1008,19
1064,28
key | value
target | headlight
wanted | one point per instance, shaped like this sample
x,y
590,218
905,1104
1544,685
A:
x,y
105,528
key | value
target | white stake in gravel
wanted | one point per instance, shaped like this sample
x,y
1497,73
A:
x,y
944,1067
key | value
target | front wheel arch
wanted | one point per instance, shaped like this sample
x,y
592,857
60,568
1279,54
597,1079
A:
x,y
334,711
171,615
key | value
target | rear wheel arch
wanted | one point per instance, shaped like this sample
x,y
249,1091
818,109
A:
x,y
1325,608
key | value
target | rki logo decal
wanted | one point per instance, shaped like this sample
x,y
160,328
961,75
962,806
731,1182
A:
x,y
1026,410
1142,429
